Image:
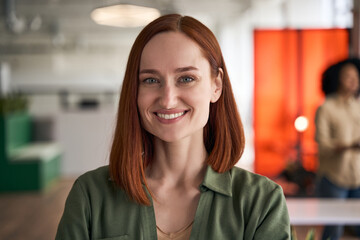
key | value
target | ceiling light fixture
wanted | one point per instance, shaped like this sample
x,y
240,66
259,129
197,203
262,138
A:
x,y
124,15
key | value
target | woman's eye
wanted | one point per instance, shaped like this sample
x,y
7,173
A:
x,y
186,79
150,80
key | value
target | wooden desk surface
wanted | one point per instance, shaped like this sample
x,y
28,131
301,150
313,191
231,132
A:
x,y
313,211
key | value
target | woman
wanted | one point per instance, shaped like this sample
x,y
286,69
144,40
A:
x,y
338,136
177,138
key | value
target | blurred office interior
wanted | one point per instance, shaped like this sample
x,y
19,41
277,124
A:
x,y
67,71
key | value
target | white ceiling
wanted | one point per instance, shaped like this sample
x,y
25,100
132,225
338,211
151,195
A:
x,y
67,23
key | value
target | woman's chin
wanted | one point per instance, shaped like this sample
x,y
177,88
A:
x,y
169,139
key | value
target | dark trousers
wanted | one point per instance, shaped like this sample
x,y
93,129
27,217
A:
x,y
327,189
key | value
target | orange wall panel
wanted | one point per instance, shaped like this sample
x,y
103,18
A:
x,y
288,67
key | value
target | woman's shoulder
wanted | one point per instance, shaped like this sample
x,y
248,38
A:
x,y
98,174
328,100
95,179
261,202
327,107
251,183
331,101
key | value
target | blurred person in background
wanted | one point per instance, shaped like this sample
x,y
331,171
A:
x,y
177,139
338,136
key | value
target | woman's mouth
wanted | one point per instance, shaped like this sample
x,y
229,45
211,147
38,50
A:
x,y
170,116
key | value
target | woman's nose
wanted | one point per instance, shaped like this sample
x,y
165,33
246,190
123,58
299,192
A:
x,y
168,97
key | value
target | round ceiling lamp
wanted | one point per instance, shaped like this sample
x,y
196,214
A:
x,y
124,15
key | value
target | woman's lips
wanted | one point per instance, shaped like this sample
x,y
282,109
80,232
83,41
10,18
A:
x,y
166,116
170,116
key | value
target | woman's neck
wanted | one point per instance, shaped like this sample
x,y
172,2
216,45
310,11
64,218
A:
x,y
345,96
179,163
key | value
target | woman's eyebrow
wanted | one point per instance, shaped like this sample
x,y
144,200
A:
x,y
185,69
153,71
177,70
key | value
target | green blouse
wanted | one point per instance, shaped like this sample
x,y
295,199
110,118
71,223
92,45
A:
x,y
236,204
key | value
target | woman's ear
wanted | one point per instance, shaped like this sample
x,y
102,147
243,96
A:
x,y
217,86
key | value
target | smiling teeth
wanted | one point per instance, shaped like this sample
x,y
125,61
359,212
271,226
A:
x,y
170,116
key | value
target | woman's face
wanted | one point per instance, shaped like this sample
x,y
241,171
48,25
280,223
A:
x,y
349,80
175,87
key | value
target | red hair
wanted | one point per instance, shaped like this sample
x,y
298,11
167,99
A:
x,y
132,147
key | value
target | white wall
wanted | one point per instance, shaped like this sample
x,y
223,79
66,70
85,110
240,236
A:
x,y
84,134
236,40
301,13
86,139
4,78
72,71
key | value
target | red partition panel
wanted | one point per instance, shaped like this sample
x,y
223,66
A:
x,y
288,67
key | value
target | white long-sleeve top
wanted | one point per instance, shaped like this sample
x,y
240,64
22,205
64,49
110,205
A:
x,y
338,123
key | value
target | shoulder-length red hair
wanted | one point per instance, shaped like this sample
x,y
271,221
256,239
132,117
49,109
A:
x,y
132,147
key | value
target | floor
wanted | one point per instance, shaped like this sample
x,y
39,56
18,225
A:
x,y
35,216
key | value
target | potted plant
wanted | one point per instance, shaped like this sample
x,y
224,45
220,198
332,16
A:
x,y
13,103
